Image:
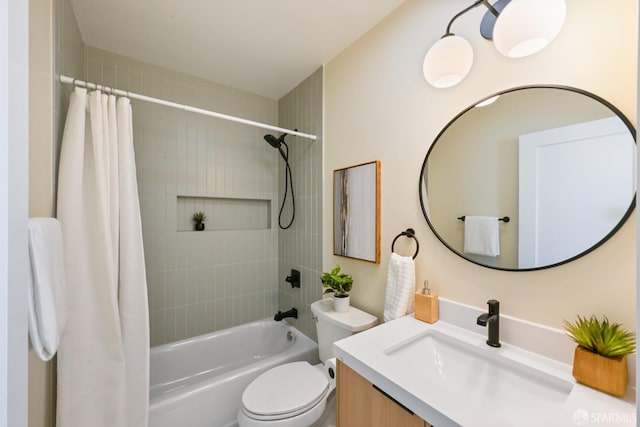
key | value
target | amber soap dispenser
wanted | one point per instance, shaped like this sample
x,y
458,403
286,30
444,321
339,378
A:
x,y
426,305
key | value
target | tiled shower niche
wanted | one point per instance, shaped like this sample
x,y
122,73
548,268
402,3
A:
x,y
224,213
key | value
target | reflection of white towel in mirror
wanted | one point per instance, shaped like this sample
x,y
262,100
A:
x,y
482,235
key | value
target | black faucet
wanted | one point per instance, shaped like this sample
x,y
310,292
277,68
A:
x,y
289,313
492,318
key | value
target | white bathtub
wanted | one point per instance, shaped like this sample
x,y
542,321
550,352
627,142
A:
x,y
198,382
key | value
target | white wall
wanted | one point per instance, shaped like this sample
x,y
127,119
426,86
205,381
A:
x,y
14,143
378,106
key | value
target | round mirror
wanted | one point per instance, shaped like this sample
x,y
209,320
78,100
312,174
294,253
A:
x,y
538,177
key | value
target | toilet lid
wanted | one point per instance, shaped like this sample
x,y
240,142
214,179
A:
x,y
285,389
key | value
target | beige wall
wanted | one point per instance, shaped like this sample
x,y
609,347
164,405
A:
x,y
41,153
379,107
54,43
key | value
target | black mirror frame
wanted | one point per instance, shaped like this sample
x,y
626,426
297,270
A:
x,y
613,231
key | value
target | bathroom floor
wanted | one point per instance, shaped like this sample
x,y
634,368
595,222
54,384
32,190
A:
x,y
328,419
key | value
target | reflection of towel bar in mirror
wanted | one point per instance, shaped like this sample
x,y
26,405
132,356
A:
x,y
504,218
409,232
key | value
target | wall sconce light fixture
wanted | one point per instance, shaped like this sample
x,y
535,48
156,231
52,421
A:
x,y
518,28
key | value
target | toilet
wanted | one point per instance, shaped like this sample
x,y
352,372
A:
x,y
295,394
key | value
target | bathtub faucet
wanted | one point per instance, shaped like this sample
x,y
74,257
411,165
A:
x,y
294,279
289,313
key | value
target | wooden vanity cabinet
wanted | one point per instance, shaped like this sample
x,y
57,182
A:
x,y
360,404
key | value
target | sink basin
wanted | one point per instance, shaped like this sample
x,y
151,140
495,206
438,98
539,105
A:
x,y
483,378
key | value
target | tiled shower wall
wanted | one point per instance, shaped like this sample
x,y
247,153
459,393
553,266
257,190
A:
x,y
68,59
300,247
234,271
226,275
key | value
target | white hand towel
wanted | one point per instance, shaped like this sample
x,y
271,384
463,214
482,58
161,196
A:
x,y
482,235
46,294
401,284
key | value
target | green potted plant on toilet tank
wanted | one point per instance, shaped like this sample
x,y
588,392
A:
x,y
339,284
600,357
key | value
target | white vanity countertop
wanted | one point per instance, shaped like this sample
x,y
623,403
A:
x,y
436,400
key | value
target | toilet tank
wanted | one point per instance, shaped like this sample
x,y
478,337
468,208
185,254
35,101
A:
x,y
333,326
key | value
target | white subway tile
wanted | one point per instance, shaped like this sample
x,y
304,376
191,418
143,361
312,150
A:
x,y
201,188
157,327
211,316
181,323
201,318
170,325
181,288
170,284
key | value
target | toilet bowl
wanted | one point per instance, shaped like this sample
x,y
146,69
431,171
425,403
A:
x,y
295,394
290,395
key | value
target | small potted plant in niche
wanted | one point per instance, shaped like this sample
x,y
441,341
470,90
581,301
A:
x,y
339,284
199,218
600,358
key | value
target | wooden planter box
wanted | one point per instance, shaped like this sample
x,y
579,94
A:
x,y
607,374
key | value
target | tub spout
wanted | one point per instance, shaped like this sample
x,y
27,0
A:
x,y
283,315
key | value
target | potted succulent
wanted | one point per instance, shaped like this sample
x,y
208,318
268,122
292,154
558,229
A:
x,y
199,218
600,357
339,284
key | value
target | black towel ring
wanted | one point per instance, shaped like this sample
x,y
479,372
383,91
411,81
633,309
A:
x,y
409,232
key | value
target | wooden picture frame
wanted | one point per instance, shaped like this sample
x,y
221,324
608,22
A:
x,y
356,212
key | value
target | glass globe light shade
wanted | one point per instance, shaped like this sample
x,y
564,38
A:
x,y
487,101
525,27
448,61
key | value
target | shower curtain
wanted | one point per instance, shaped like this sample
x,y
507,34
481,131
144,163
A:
x,y
103,360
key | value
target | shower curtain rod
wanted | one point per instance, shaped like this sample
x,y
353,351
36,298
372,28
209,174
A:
x,y
76,82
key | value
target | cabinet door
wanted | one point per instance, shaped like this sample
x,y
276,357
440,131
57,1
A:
x,y
360,404
353,398
389,413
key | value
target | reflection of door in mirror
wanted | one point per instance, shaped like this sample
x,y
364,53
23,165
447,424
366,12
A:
x,y
356,207
567,209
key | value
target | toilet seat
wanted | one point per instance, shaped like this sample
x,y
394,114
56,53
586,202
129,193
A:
x,y
285,391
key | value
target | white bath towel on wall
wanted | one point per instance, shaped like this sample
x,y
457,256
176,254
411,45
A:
x,y
46,293
104,352
482,235
401,284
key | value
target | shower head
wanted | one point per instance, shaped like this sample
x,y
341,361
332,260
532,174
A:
x,y
277,143
273,141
